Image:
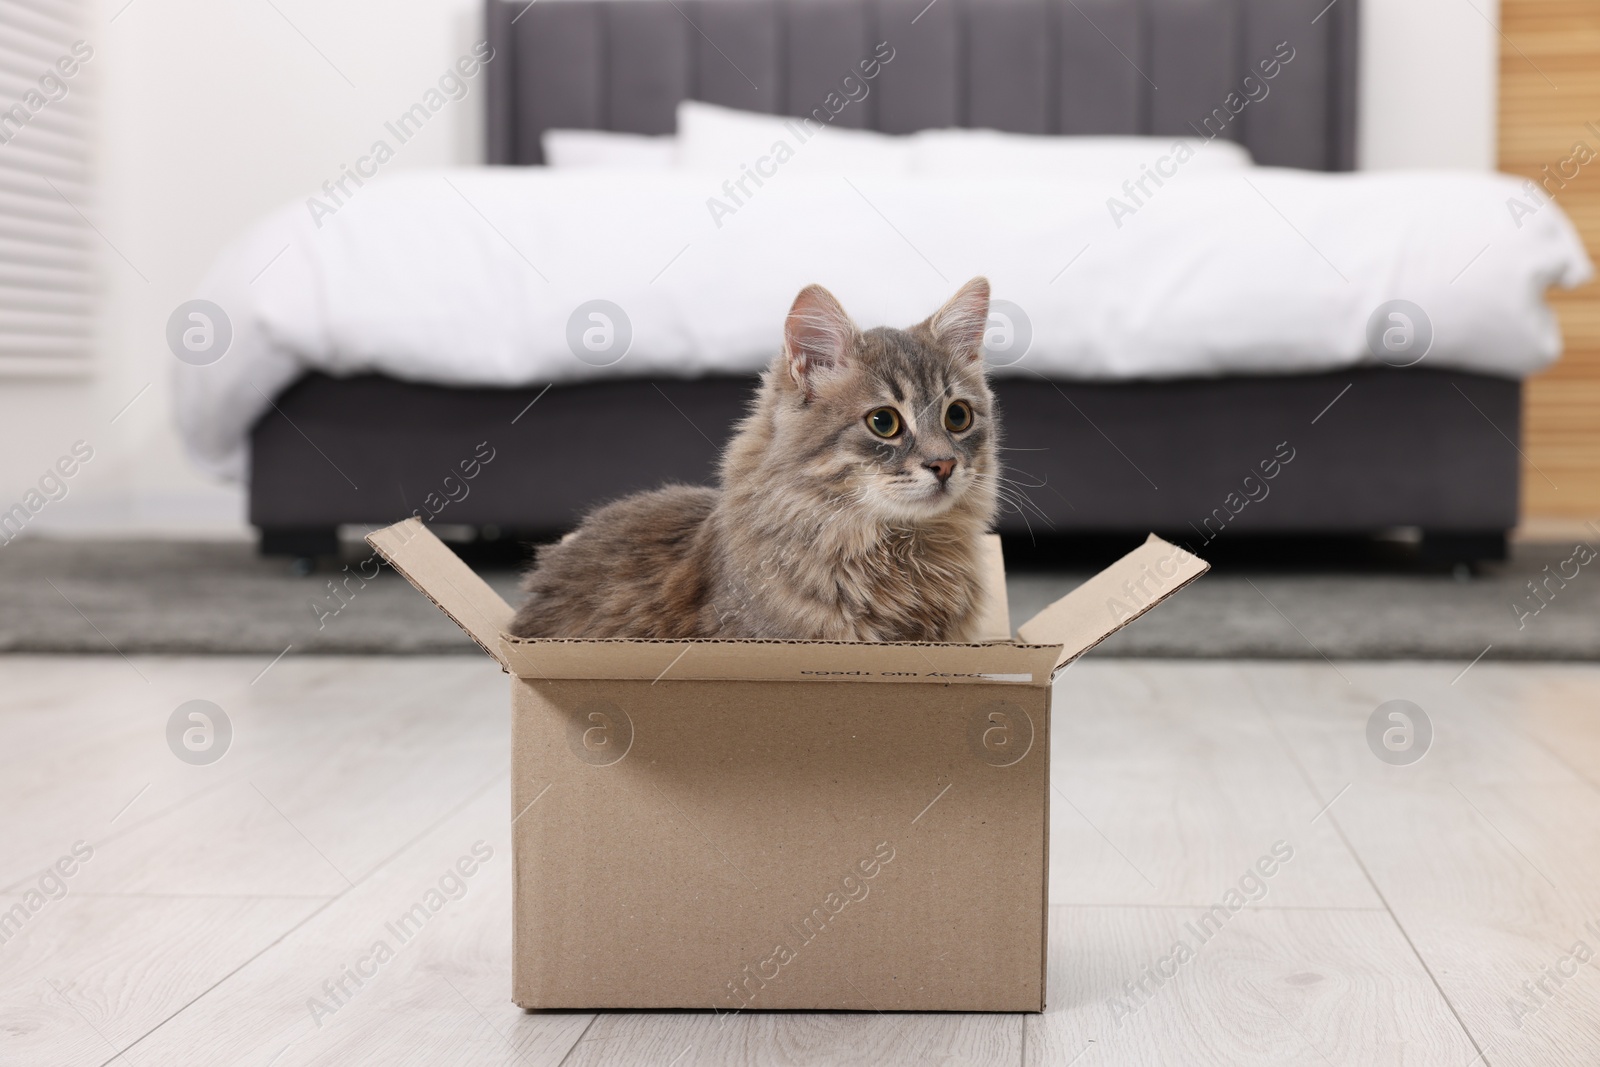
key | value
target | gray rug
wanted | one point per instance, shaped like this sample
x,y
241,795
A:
x,y
169,597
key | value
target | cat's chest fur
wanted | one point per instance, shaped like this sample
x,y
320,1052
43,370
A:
x,y
879,585
909,588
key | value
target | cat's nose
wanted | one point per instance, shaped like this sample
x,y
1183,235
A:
x,y
941,468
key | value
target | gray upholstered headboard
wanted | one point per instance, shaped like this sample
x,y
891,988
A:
x,y
1029,66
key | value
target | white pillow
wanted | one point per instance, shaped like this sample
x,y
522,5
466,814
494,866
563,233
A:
x,y
724,140
990,153
604,148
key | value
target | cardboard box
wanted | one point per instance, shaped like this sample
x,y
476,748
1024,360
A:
x,y
749,825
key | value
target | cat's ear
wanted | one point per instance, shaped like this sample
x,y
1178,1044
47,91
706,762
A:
x,y
817,338
958,327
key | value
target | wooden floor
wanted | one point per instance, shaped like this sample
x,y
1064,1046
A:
x,y
1421,907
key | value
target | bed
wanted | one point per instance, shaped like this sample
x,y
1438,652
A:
x,y
1352,449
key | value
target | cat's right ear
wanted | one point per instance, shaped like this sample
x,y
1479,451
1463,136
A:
x,y
959,325
817,338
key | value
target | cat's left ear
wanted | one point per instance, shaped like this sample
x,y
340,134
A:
x,y
958,327
817,339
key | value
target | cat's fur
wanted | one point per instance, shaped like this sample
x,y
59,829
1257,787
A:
x,y
820,529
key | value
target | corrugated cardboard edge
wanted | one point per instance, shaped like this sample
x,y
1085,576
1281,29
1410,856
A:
x,y
1044,889
1113,598
995,624
440,575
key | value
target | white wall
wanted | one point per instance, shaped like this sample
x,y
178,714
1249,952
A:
x,y
213,113
1429,83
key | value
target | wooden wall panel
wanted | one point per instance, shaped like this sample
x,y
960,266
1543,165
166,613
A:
x,y
1549,90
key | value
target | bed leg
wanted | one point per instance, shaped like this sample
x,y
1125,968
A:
x,y
302,542
1463,546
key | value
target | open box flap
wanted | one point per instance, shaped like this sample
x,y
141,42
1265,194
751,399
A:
x,y
990,657
1113,598
996,622
440,575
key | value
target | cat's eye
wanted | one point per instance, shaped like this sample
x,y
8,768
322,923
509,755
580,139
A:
x,y
885,422
958,417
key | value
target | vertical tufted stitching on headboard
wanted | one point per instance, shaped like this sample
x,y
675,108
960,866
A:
x,y
1344,64
1146,104
963,65
1091,84
499,141
1245,58
1052,86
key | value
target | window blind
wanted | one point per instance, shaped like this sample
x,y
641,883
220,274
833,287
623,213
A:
x,y
47,247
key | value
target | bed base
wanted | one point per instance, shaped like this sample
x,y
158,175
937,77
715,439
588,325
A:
x,y
1354,453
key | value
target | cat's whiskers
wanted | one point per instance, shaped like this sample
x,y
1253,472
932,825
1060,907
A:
x,y
1017,492
1015,498
1012,493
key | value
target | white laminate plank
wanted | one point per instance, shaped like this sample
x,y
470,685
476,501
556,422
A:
x,y
389,769
440,994
75,754
338,766
88,755
836,1039
1553,706
1495,886
333,764
1270,987
85,976
1166,772
1487,850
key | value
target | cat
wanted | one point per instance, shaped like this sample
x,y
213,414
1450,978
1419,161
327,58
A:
x,y
852,504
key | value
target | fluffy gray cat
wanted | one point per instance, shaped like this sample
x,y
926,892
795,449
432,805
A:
x,y
853,500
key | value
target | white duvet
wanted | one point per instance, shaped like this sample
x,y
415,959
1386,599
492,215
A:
x,y
471,276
